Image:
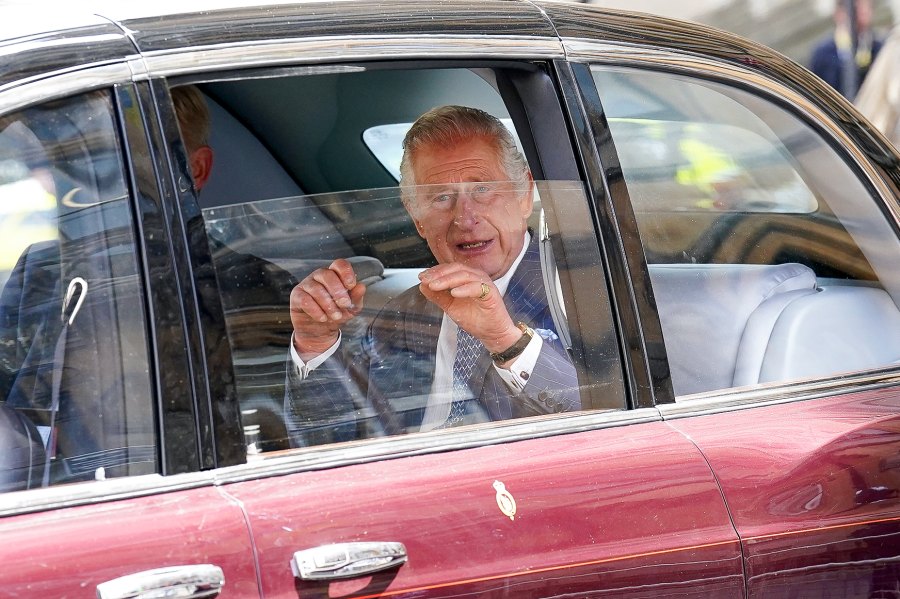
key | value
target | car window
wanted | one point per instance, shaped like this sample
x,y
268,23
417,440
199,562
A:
x,y
770,259
74,379
343,201
341,408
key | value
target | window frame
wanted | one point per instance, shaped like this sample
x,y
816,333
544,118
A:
x,y
552,157
880,184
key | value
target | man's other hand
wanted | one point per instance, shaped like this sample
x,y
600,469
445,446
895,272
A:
x,y
321,304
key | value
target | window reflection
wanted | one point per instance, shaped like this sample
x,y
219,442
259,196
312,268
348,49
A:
x,y
395,334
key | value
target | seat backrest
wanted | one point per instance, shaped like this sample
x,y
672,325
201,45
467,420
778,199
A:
x,y
842,328
243,169
704,310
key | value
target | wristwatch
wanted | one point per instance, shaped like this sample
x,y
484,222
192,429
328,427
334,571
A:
x,y
514,350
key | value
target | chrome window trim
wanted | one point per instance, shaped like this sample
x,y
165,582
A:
x,y
607,54
345,49
729,400
64,83
321,458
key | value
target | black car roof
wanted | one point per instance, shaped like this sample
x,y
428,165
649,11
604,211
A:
x,y
46,38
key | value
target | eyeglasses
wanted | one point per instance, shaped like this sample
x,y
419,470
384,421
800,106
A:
x,y
445,197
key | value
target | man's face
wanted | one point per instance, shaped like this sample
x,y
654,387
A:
x,y
466,209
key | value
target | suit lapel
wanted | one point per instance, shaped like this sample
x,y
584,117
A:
x,y
526,299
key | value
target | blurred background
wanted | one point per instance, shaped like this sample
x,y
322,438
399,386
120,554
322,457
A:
x,y
851,44
790,26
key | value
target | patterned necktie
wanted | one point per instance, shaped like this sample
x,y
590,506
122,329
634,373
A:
x,y
468,349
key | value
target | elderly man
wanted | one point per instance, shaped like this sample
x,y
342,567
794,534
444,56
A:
x,y
474,342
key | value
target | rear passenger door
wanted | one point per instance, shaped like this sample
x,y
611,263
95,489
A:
x,y
775,265
605,501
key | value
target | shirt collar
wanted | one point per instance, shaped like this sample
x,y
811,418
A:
x,y
503,282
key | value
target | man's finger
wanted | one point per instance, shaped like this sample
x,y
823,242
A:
x,y
327,287
475,289
455,279
345,272
302,303
357,293
318,287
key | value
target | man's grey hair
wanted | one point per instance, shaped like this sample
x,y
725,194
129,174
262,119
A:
x,y
447,125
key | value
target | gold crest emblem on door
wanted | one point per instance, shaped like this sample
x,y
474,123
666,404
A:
x,y
505,501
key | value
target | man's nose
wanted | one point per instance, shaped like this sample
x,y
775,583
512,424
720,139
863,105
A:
x,y
465,211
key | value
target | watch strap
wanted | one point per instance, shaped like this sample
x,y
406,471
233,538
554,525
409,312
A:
x,y
516,349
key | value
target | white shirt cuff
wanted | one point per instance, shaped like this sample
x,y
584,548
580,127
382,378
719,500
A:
x,y
520,370
304,368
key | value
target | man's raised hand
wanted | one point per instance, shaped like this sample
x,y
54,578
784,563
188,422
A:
x,y
469,297
321,304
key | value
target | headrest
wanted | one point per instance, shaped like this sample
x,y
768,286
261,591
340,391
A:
x,y
703,309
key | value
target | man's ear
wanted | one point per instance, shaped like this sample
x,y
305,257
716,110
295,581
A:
x,y
528,198
409,210
201,165
419,228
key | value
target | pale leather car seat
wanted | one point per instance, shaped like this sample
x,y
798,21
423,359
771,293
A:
x,y
705,309
841,328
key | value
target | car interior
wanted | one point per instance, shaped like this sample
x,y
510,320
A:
x,y
769,260
744,238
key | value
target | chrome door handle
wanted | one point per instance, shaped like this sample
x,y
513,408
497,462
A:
x,y
346,560
201,580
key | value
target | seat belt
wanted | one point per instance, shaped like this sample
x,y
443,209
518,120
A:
x,y
70,307
552,286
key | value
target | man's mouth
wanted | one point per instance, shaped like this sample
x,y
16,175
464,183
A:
x,y
472,245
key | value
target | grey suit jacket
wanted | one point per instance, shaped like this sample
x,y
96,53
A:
x,y
381,387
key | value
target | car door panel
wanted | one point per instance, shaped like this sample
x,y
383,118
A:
x,y
814,491
81,547
596,513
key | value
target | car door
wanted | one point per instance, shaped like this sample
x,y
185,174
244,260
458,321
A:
x,y
773,251
97,406
605,501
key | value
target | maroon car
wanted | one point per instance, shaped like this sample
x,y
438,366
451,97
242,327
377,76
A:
x,y
717,240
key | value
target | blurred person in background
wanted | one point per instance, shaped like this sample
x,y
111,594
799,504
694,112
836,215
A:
x,y
879,97
844,58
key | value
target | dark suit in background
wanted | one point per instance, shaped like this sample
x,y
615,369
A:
x,y
832,66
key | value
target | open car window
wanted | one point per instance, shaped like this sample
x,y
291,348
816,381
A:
x,y
304,172
396,330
